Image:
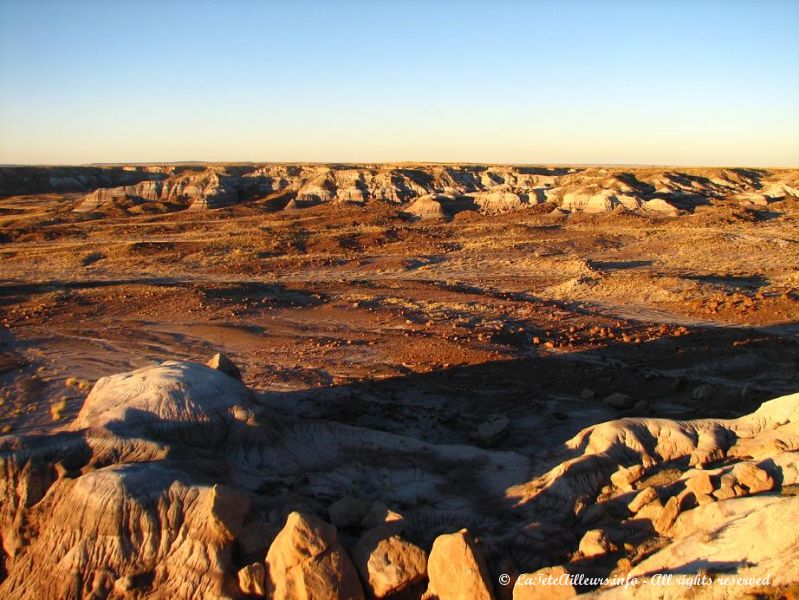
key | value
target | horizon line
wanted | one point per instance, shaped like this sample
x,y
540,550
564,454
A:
x,y
397,162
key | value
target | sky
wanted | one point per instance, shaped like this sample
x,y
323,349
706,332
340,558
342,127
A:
x,y
563,82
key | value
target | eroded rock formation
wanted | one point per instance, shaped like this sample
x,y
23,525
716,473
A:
x,y
490,189
179,480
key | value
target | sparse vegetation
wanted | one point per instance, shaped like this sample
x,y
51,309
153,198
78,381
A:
x,y
78,383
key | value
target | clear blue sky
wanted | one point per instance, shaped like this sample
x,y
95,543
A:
x,y
644,82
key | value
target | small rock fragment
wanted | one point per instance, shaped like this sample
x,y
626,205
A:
x,y
624,478
754,478
493,430
252,578
348,511
619,400
380,514
641,499
594,543
222,363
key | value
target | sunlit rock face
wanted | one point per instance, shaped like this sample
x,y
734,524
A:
x,y
493,189
178,480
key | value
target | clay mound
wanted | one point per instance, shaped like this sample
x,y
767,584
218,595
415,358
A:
x,y
662,207
605,201
170,392
595,200
690,483
427,207
498,202
200,190
756,535
100,197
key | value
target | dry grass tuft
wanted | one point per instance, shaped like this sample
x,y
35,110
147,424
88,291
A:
x,y
57,408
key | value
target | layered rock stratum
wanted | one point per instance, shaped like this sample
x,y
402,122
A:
x,y
177,480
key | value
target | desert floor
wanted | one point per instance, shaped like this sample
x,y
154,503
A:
x,y
477,315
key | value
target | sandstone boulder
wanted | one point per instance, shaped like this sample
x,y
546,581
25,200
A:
x,y
625,477
755,479
306,561
642,498
387,563
457,569
222,363
594,543
700,483
669,514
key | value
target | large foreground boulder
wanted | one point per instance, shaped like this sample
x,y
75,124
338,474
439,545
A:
x,y
306,562
457,569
